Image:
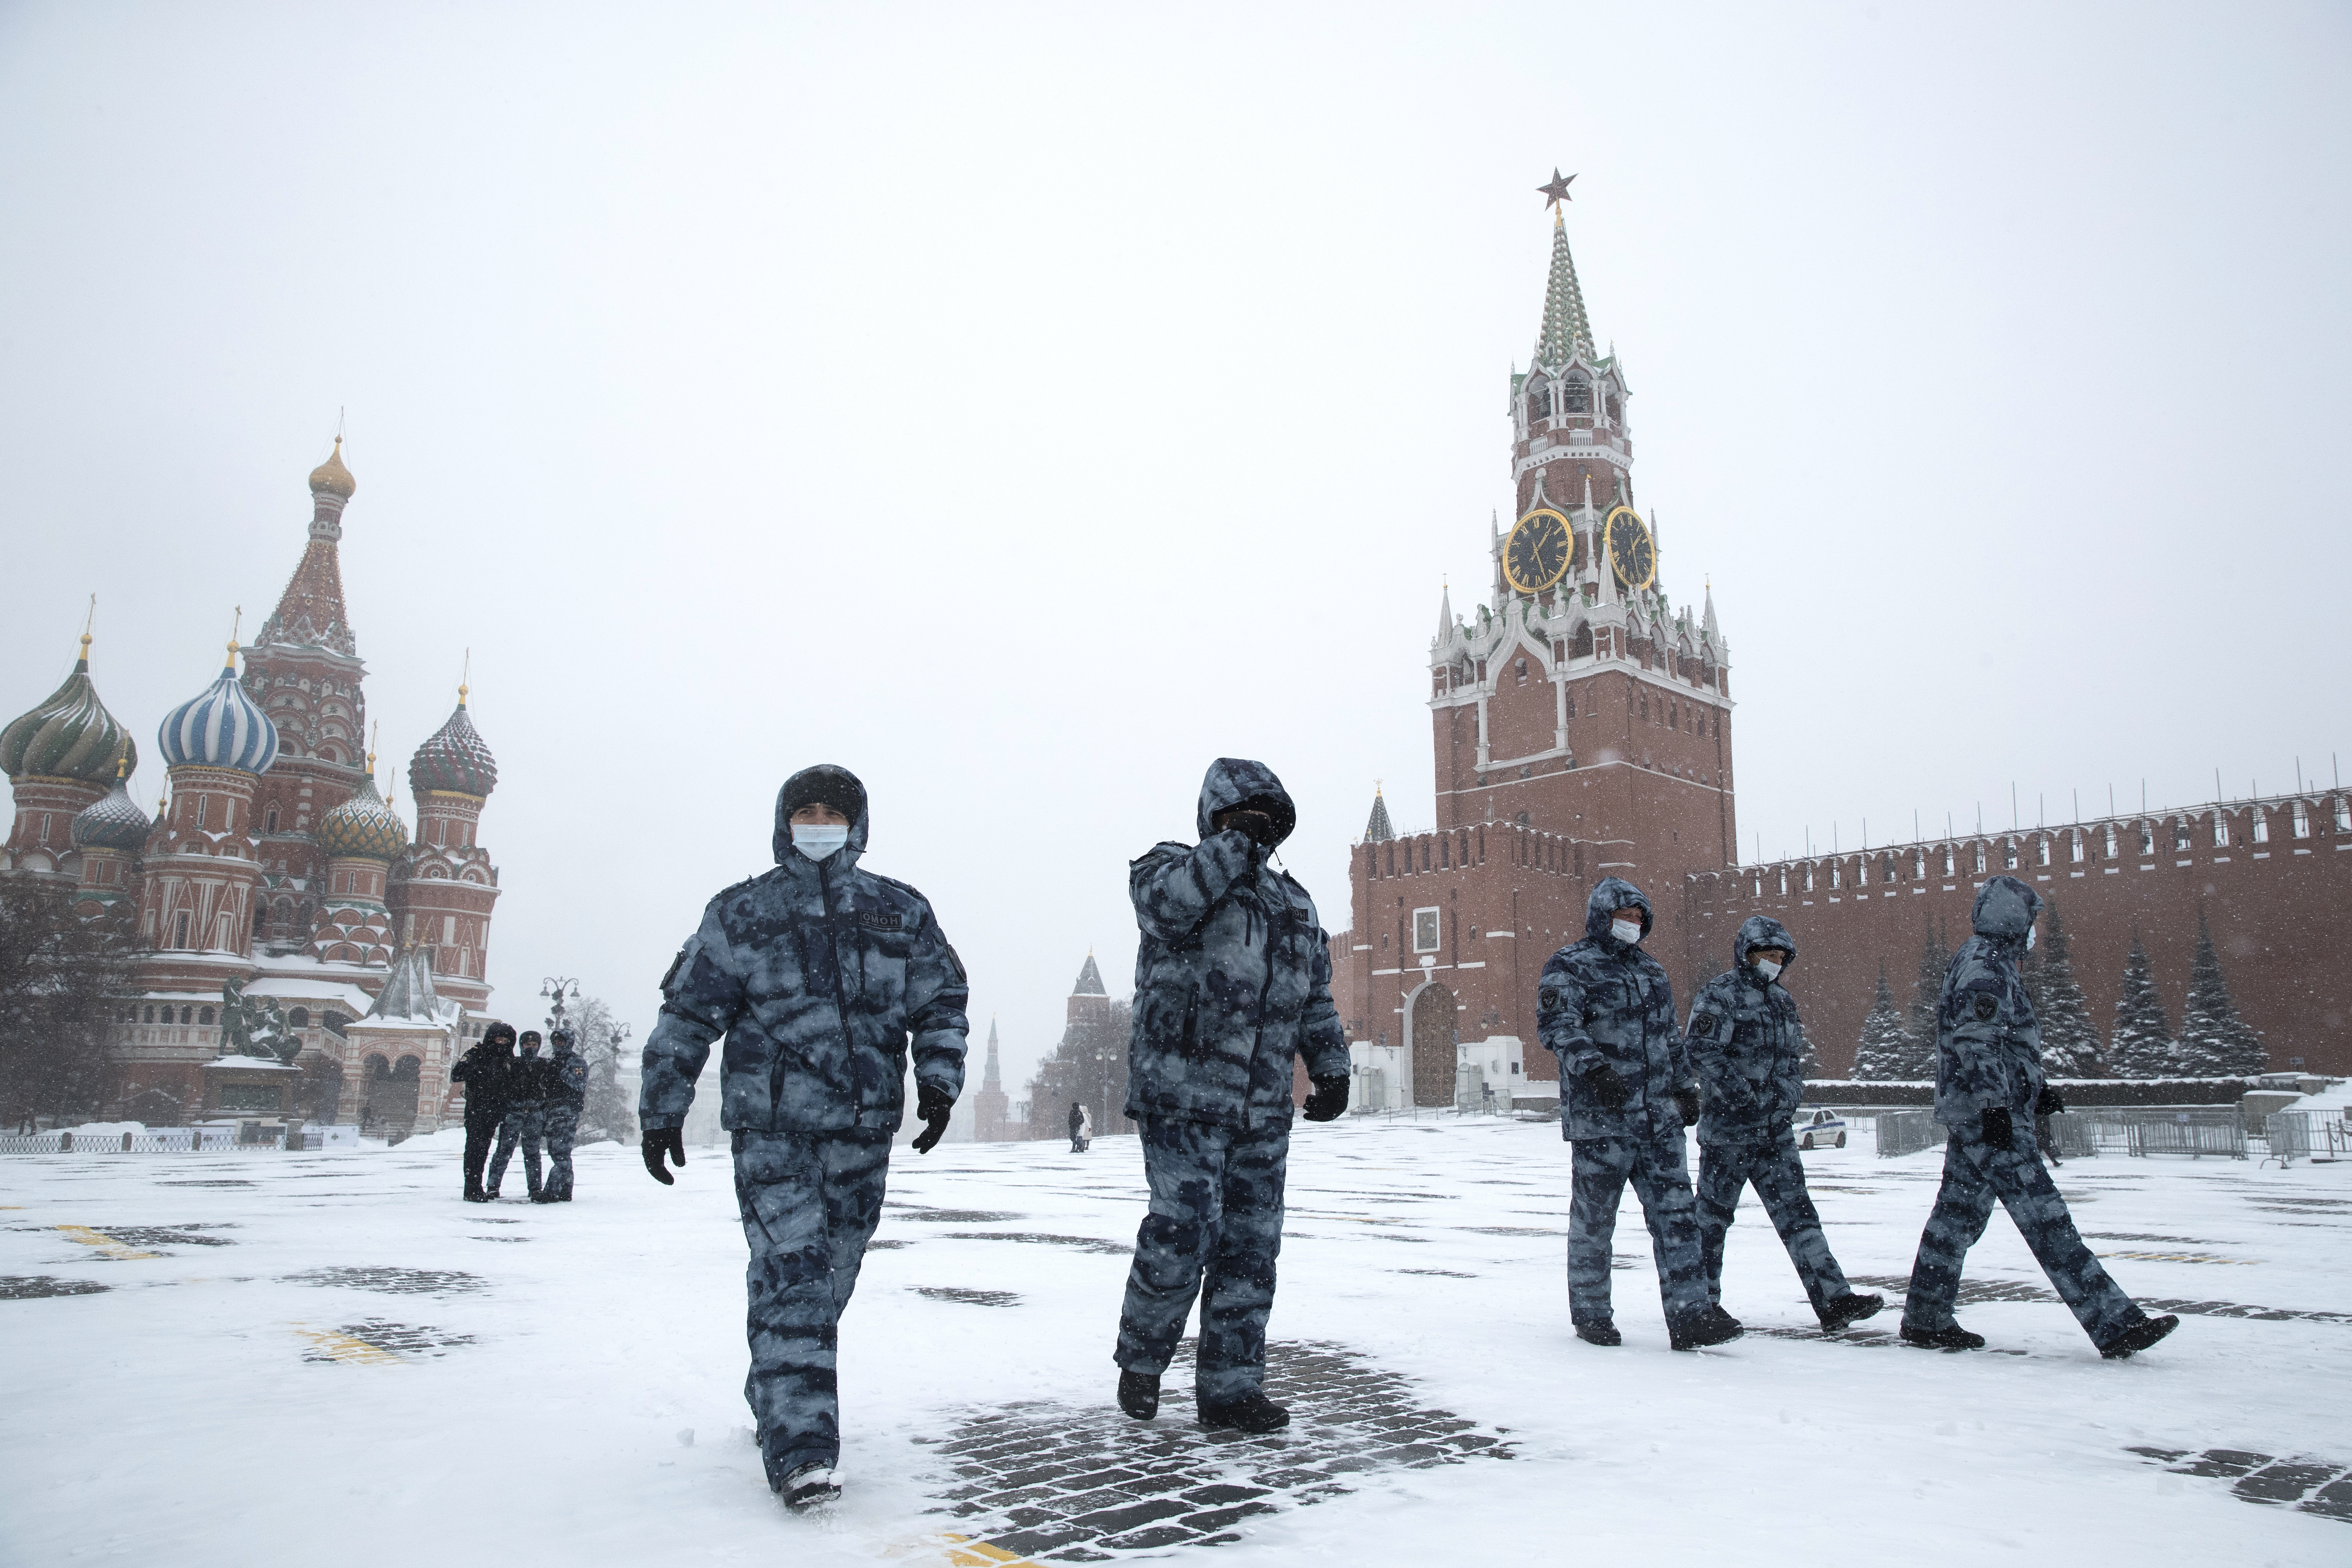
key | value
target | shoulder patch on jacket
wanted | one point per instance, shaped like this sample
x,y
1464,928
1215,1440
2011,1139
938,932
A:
x,y
1548,998
880,920
955,962
671,973
1704,1024
1986,1006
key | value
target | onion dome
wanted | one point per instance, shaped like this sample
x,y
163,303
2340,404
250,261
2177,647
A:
x,y
363,825
113,821
453,759
332,477
220,728
70,736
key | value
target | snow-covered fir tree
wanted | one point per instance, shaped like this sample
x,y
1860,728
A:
x,y
2070,1043
1809,1063
2214,1042
2141,1043
607,1113
1883,1053
1927,1001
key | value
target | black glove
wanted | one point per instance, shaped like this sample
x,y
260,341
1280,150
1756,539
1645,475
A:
x,y
1996,1127
2049,1104
933,1105
1604,1086
1329,1100
659,1142
1687,1101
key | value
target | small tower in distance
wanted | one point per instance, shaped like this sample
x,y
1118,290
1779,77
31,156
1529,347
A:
x,y
991,1111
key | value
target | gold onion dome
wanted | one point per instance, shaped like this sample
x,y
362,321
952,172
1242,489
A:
x,y
331,475
363,825
455,760
113,821
70,736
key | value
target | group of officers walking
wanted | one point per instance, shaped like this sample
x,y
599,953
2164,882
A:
x,y
824,979
513,1096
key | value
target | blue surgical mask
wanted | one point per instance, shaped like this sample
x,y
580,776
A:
x,y
2030,932
1627,931
818,839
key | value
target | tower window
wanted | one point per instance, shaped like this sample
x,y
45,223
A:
x,y
1523,672
1981,860
1576,396
2302,820
1809,877
2111,840
273,820
2075,845
2343,813
186,1014
300,1018
151,1015
202,801
1837,874
2147,832
182,930
206,1017
2180,837
2221,830
2041,850
1890,870
1616,410
2262,828
1538,401
1784,881
1948,859
2009,856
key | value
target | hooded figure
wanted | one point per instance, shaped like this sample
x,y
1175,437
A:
x,y
1988,1085
487,1072
1749,1050
558,1115
527,1084
824,978
1606,1009
1233,984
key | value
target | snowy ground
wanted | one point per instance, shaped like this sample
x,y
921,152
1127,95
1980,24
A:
x,y
341,1361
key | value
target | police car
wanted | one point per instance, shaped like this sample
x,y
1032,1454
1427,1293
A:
x,y
1820,1129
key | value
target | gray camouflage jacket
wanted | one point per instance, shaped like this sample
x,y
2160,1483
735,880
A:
x,y
1599,1000
1988,1044
818,973
1233,976
567,1082
1745,1043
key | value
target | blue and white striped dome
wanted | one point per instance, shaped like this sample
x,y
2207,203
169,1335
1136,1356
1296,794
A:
x,y
221,728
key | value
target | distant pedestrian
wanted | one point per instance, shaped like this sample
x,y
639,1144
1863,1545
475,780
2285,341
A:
x,y
567,1096
1233,984
1081,1128
1988,1088
487,1072
1749,1050
1606,1009
526,1101
822,977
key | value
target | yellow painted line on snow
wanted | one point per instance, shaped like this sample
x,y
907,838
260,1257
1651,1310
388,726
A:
x,y
104,1243
959,1551
345,1348
966,1553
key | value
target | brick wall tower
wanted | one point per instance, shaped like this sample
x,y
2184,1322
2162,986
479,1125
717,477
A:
x,y
991,1111
305,672
1582,729
443,884
59,758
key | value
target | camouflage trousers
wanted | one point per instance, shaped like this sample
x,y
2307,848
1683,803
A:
x,y
810,1203
1975,1174
558,1125
523,1124
1213,1230
1658,1168
1724,1170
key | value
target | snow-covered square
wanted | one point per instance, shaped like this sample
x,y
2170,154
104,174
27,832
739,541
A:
x,y
262,1358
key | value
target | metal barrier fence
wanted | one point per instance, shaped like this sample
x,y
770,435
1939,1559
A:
x,y
2067,1136
2307,1135
165,1140
2196,1133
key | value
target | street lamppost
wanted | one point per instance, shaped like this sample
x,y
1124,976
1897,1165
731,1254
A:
x,y
556,988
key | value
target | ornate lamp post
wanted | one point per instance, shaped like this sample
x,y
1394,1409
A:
x,y
557,988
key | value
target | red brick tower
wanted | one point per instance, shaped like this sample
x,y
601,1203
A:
x,y
990,1108
443,884
1582,730
305,672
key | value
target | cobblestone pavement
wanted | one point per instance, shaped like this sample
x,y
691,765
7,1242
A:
x,y
1063,1485
2322,1487
1975,1290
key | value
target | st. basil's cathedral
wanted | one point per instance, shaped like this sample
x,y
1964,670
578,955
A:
x,y
301,956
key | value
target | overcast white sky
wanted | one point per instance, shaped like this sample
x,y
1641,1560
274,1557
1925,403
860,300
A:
x,y
1023,406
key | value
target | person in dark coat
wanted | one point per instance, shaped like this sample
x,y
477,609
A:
x,y
567,1096
1233,983
1078,1128
486,1072
1606,1009
1988,1087
526,1088
1749,1050
822,976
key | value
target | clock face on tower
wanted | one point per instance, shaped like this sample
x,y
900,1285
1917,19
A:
x,y
1632,554
1538,553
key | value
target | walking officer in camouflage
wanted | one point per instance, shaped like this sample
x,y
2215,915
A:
x,y
1606,1009
558,1114
1988,1088
824,977
526,1101
1749,1051
1233,982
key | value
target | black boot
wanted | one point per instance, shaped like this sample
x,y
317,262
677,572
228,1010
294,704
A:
x,y
1603,1332
1849,1309
1712,1326
1954,1338
807,1487
2139,1336
1138,1395
474,1194
1248,1411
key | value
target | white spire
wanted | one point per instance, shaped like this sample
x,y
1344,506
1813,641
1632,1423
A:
x,y
1445,612
1714,628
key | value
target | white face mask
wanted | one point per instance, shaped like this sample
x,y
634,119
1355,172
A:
x,y
818,839
2030,932
1627,931
1768,970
